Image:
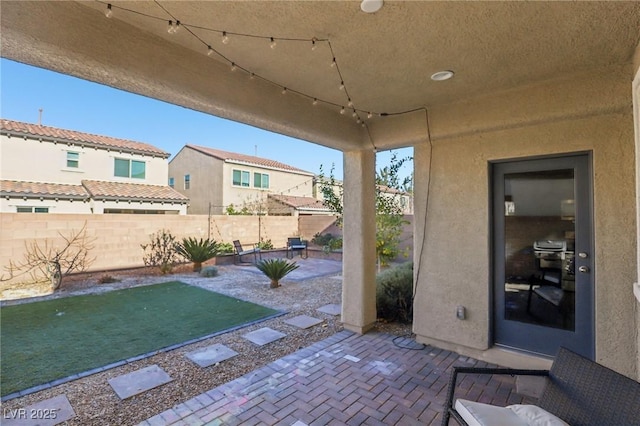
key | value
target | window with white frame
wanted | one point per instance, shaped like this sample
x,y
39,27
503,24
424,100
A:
x,y
187,181
73,159
129,168
261,180
28,209
241,178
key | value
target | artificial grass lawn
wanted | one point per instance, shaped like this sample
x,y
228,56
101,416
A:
x,y
45,341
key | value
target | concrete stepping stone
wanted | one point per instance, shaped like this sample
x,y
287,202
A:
x,y
331,309
303,321
139,381
211,355
49,412
263,336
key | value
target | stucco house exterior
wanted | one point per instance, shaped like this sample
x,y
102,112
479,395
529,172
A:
x,y
76,172
525,123
215,180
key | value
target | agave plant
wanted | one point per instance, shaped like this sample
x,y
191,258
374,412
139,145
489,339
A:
x,y
276,269
197,251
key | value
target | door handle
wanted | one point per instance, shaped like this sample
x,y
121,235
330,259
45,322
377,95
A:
x,y
584,269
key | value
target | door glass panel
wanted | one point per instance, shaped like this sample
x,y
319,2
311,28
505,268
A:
x,y
539,227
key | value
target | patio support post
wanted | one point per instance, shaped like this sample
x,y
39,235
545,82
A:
x,y
359,242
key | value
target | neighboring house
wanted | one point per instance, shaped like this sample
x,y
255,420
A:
x,y
291,205
49,170
214,180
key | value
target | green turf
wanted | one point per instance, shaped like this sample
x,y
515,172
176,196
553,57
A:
x,y
44,341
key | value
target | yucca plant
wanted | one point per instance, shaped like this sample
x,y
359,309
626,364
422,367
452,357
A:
x,y
276,269
197,251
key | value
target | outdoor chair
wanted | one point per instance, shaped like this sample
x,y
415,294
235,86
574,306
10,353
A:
x,y
296,244
239,252
578,391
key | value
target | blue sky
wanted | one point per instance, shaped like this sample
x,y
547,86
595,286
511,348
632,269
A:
x,y
71,103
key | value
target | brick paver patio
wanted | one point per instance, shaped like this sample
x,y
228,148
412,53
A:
x,y
346,379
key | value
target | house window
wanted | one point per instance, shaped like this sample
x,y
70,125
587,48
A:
x,y
240,178
73,159
171,182
32,209
129,168
260,180
187,181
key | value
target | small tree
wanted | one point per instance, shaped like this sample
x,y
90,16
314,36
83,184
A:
x,y
162,251
389,210
53,261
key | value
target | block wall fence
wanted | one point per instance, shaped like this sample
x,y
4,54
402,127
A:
x,y
117,238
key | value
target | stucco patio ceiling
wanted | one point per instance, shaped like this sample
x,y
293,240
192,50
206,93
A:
x,y
385,59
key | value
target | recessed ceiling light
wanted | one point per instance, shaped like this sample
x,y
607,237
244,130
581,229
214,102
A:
x,y
442,75
371,6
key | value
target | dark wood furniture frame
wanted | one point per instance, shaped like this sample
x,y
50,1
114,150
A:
x,y
296,244
579,391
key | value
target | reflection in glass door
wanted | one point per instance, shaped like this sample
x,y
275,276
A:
x,y
541,209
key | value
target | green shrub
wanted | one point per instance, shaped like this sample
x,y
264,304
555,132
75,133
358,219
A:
x,y
161,251
394,293
197,251
276,269
209,272
321,239
265,245
225,248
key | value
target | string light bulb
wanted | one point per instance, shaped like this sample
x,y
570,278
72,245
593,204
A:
x,y
109,12
313,44
233,66
209,50
284,90
350,104
369,115
173,27
273,43
354,114
333,63
315,102
342,85
342,111
225,38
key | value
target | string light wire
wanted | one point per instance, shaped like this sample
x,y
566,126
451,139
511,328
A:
x,y
175,24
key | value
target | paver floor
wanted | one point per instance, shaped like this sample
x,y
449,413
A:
x,y
347,379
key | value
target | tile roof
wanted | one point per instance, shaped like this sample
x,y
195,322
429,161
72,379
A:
x,y
300,203
248,159
102,190
18,128
38,189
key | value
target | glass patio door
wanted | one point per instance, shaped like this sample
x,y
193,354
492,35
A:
x,y
543,257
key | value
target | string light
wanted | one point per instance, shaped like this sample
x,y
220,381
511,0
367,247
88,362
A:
x,y
175,24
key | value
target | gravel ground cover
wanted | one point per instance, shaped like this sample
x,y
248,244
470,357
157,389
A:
x,y
95,402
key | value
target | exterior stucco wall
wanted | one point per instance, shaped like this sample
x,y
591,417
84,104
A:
x,y
206,180
34,161
280,182
557,117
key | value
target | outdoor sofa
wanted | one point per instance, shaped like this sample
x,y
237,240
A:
x,y
578,391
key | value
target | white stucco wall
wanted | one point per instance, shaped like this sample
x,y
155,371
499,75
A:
x,y
34,161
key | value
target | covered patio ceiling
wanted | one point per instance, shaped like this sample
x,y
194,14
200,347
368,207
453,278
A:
x,y
384,60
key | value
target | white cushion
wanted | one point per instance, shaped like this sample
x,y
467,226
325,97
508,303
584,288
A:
x,y
479,414
536,416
